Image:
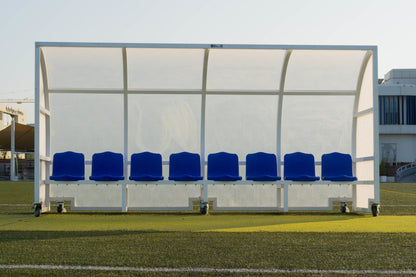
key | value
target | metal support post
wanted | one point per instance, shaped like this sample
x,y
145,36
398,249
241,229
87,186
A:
x,y
13,150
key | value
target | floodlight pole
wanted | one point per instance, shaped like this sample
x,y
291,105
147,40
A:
x,y
13,150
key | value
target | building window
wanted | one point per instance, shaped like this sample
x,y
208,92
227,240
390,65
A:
x,y
397,110
388,153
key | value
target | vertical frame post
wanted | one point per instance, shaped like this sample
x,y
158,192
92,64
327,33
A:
x,y
280,112
376,128
13,150
203,106
37,121
126,131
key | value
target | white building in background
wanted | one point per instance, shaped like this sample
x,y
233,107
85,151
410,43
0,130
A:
x,y
397,117
5,115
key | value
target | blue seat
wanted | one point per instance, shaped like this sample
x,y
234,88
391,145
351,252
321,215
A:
x,y
68,166
300,167
185,166
146,166
337,167
107,166
261,166
223,166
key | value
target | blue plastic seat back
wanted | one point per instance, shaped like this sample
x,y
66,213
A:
x,y
146,166
300,167
261,166
68,166
223,166
337,167
185,166
107,166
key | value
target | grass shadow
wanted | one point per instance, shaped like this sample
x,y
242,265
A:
x,y
6,236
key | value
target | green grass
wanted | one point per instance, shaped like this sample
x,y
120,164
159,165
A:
x,y
220,240
358,251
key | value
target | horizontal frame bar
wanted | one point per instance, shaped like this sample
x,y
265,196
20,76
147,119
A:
x,y
202,182
205,46
207,92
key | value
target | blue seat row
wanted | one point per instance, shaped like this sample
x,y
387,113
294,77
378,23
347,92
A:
x,y
185,166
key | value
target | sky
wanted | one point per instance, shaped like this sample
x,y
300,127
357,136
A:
x,y
388,24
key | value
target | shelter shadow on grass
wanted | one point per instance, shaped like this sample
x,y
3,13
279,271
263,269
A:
x,y
7,236
216,250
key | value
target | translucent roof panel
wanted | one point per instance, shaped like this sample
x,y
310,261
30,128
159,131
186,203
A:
x,y
324,70
84,68
162,69
244,69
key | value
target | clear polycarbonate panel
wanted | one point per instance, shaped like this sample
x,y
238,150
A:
x,y
235,197
313,196
84,68
365,136
164,124
254,69
365,170
365,194
165,69
323,70
317,124
90,197
366,94
87,123
240,124
163,197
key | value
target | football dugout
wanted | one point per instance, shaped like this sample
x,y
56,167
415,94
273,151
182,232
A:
x,y
175,108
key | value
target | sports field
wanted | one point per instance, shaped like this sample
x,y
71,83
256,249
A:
x,y
221,244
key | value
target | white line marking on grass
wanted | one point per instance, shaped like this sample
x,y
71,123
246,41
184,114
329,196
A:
x,y
206,270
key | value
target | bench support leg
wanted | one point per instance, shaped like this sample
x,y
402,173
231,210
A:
x,y
204,206
60,208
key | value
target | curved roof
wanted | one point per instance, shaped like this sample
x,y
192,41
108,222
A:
x,y
211,68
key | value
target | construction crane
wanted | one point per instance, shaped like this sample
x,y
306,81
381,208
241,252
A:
x,y
17,101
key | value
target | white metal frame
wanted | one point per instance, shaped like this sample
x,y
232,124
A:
x,y
44,162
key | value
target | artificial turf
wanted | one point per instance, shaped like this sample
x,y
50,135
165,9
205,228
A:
x,y
283,250
220,240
